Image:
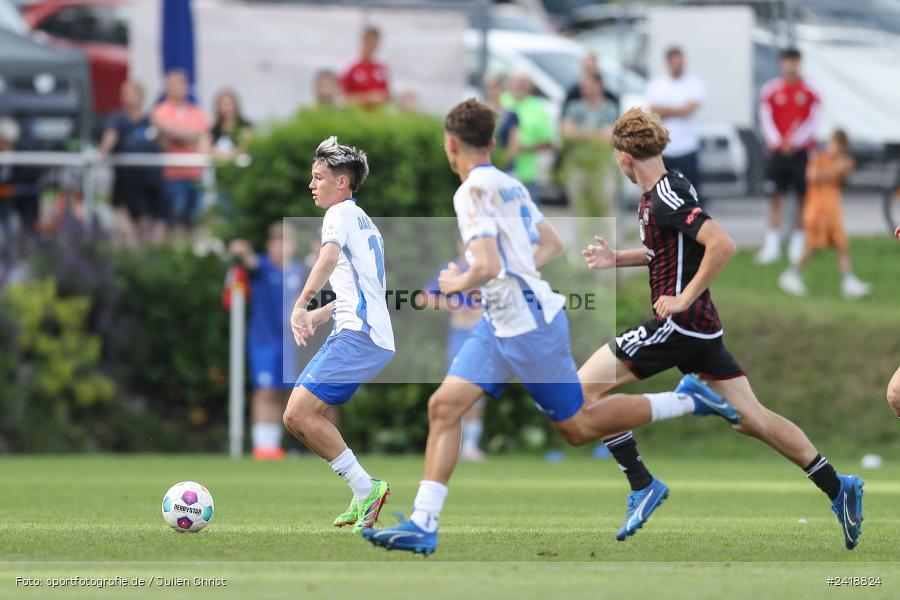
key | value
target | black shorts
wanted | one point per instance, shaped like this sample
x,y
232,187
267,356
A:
x,y
657,346
141,199
786,172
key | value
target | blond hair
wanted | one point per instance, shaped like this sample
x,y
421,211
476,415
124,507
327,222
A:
x,y
640,133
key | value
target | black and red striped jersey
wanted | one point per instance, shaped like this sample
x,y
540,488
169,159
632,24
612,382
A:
x,y
669,219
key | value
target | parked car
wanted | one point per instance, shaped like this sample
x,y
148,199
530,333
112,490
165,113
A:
x,y
46,89
97,27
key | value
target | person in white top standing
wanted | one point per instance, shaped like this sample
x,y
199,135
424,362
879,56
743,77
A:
x,y
362,342
676,98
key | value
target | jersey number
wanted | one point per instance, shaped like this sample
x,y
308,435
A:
x,y
533,235
378,249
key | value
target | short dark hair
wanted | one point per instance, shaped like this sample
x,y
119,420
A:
x,y
323,73
343,159
790,53
473,122
672,50
840,136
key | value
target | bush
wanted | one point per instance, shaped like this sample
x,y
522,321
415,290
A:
x,y
409,176
163,334
53,396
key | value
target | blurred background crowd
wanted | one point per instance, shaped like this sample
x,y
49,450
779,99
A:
x,y
134,132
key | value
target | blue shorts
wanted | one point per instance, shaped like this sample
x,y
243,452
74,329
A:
x,y
456,337
266,367
346,361
541,359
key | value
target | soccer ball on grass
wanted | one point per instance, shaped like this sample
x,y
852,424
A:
x,y
187,506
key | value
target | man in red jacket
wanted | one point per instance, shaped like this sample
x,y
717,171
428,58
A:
x,y
788,113
366,82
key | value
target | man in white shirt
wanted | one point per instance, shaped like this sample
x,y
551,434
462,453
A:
x,y
362,341
676,98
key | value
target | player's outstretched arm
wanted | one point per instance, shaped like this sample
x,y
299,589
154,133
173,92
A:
x,y
549,244
718,250
601,255
302,325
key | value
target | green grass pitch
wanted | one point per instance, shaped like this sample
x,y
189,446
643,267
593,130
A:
x,y
514,527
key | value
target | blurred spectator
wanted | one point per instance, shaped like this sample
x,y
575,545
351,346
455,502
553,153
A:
x,y
788,113
231,132
676,97
366,82
589,66
408,101
585,159
19,192
532,135
590,118
137,191
327,89
462,321
497,97
274,284
822,220
494,85
183,128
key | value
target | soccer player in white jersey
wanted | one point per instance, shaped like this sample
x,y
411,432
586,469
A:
x,y
362,341
523,334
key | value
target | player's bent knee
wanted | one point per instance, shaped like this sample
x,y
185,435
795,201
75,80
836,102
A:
x,y
574,433
753,423
444,407
893,397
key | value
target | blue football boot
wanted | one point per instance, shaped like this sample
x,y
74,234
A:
x,y
706,401
848,508
405,536
641,504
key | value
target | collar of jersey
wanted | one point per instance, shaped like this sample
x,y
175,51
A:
x,y
350,198
480,166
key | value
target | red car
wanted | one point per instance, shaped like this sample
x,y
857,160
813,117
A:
x,y
100,29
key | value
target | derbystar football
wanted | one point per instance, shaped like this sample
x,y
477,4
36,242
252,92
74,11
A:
x,y
187,506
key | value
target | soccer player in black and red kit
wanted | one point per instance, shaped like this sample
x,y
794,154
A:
x,y
685,250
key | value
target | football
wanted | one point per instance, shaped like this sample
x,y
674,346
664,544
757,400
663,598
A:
x,y
187,506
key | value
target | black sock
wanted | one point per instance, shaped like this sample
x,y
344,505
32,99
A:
x,y
624,450
823,475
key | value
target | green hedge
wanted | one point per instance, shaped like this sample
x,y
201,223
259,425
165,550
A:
x,y
409,176
157,332
53,396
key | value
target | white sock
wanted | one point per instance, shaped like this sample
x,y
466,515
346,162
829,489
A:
x,y
668,405
471,434
428,505
349,469
773,238
266,435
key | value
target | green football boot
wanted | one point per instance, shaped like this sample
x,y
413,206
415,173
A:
x,y
348,517
370,507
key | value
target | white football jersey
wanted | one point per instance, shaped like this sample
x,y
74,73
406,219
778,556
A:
x,y
493,203
358,280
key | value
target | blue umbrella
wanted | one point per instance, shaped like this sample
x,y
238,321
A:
x,y
178,38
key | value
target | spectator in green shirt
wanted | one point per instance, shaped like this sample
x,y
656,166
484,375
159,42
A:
x,y
532,135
